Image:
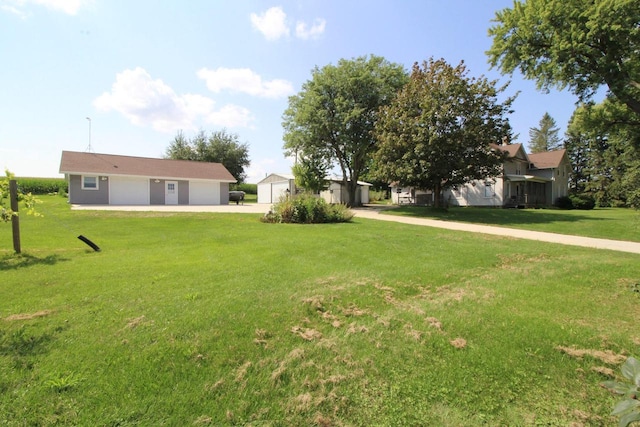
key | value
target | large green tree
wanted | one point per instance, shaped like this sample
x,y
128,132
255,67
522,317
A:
x,y
579,44
335,113
603,142
217,147
437,133
545,136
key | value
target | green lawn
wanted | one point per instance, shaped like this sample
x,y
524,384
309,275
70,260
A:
x,y
219,319
608,223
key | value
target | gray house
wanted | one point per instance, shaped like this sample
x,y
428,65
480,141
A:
x,y
106,179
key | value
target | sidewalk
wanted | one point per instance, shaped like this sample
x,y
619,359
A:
x,y
588,242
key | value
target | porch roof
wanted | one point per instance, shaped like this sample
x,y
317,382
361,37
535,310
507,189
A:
x,y
526,178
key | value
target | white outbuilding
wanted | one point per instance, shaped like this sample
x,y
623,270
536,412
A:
x,y
275,186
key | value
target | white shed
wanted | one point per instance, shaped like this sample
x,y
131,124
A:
x,y
337,192
274,186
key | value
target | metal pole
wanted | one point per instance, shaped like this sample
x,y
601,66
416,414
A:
x,y
89,147
15,220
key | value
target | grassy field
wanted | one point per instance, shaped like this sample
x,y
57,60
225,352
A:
x,y
219,319
608,223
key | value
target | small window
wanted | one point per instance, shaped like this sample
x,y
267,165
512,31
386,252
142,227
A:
x,y
89,182
488,189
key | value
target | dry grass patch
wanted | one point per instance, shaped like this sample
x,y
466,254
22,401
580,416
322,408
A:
x,y
308,334
458,343
606,356
28,316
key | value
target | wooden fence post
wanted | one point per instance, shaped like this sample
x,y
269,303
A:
x,y
15,220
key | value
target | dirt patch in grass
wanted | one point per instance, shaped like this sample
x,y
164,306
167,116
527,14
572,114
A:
x,y
606,356
28,316
308,334
604,371
458,343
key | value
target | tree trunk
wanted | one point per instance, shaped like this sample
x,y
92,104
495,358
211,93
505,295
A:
x,y
437,189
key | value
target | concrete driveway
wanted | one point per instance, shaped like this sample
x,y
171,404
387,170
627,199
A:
x,y
564,239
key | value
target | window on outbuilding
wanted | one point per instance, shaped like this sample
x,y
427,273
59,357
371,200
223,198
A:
x,y
89,182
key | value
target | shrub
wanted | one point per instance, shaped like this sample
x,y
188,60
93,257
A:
x,y
628,409
377,196
583,202
564,202
307,209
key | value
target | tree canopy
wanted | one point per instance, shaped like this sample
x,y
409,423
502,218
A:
x,y
603,143
545,136
217,147
577,44
334,114
438,131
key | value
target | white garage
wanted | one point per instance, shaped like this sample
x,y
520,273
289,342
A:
x,y
274,186
101,179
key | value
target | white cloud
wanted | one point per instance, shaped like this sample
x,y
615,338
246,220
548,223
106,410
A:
x,y
246,81
316,30
272,23
70,7
148,102
231,116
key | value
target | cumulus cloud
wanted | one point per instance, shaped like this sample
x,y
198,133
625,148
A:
x,y
315,31
70,7
244,80
272,23
231,116
145,101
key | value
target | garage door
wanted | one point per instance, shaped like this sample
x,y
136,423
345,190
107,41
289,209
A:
x,y
128,191
272,191
204,193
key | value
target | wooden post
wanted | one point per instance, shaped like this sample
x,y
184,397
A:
x,y
15,220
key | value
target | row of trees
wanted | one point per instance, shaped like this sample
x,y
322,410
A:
x,y
217,147
432,129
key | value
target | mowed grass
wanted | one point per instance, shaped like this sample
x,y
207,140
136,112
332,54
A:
x,y
605,223
219,319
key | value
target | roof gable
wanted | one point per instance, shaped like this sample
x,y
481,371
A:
x,y
548,159
514,151
73,162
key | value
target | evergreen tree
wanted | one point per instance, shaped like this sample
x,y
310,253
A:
x,y
545,136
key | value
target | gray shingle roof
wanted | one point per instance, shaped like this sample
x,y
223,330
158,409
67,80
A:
x,y
74,162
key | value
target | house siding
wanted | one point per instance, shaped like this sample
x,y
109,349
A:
x,y
224,193
183,192
156,192
95,197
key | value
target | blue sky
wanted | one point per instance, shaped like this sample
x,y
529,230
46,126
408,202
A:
x,y
143,69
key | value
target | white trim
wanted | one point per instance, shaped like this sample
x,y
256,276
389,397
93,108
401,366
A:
x,y
97,178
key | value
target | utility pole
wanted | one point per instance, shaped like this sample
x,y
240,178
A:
x,y
89,147
15,220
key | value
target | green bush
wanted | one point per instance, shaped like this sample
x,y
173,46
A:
x,y
628,410
563,202
583,202
377,196
307,209
42,186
